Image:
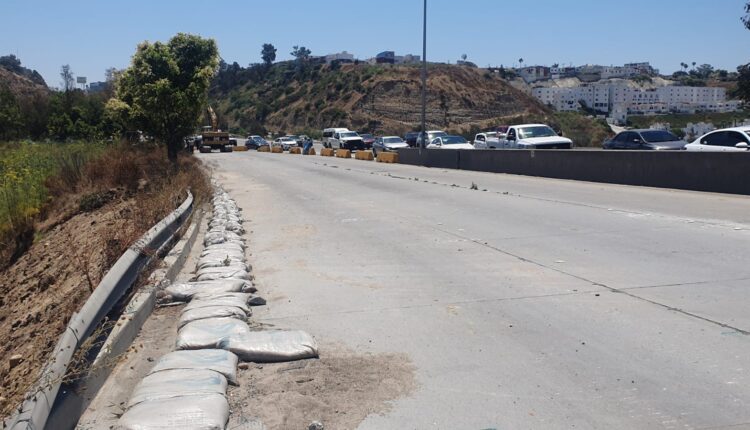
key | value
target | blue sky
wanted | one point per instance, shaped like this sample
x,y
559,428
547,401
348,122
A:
x,y
93,35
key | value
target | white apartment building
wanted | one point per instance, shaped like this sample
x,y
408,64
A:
x,y
594,96
619,96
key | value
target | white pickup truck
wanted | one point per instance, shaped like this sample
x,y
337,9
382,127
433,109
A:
x,y
534,136
488,140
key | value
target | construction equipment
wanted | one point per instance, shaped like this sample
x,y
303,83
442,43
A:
x,y
212,137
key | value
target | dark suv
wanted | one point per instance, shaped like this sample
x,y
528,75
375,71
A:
x,y
411,138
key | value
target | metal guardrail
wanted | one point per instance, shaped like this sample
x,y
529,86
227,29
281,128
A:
x,y
36,409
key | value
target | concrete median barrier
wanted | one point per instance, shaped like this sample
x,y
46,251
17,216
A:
x,y
277,149
264,148
310,152
295,150
343,153
364,155
326,152
239,148
716,172
387,157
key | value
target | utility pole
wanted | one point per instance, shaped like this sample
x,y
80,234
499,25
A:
x,y
424,78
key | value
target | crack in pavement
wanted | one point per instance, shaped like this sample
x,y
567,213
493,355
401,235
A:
x,y
682,284
581,278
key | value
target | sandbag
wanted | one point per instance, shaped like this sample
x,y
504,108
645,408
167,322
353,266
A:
x,y
217,360
234,254
210,333
178,383
203,412
225,247
184,292
202,300
215,273
206,262
190,315
273,346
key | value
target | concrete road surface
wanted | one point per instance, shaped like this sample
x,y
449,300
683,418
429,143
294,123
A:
x,y
527,303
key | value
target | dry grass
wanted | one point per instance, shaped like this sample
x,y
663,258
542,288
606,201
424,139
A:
x,y
96,210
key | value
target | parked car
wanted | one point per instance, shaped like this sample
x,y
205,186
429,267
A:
x,y
254,142
346,140
368,140
328,135
659,140
388,143
736,139
285,142
449,142
411,138
297,139
488,140
431,135
534,136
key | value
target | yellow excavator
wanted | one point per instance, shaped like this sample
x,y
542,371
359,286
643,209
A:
x,y
213,138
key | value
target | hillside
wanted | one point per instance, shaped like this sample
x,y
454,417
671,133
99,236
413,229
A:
x,y
381,99
21,82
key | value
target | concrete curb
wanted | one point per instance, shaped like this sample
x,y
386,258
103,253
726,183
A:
x,y
137,311
43,396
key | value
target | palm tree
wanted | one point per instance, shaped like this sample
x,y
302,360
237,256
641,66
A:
x,y
520,62
694,65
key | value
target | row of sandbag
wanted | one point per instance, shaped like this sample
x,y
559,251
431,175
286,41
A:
x,y
187,389
213,322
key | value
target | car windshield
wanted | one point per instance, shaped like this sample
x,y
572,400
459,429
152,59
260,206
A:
x,y
349,134
657,136
287,139
366,136
535,131
434,134
491,134
453,140
392,140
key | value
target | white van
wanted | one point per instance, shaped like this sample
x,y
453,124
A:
x,y
328,135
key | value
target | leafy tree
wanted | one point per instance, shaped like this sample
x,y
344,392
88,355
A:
x,y
300,53
746,18
268,54
743,82
10,114
704,71
164,91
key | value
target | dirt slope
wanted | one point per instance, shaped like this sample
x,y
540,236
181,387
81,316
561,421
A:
x,y
47,284
373,98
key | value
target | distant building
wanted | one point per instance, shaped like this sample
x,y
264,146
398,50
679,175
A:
x,y
341,57
533,73
95,87
407,59
619,98
386,57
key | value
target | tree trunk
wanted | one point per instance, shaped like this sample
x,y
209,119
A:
x,y
173,148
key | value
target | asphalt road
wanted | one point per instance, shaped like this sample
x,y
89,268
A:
x,y
536,304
